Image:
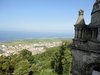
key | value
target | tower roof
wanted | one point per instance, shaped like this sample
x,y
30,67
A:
x,y
95,19
80,21
96,7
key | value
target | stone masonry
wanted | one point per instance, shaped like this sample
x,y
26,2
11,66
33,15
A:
x,y
86,44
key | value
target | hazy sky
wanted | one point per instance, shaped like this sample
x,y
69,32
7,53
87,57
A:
x,y
58,16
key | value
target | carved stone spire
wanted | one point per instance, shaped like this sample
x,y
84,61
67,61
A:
x,y
81,12
80,20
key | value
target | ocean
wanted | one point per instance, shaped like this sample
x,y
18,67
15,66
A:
x,y
9,36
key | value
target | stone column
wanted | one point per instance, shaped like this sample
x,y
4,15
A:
x,y
93,32
83,34
80,32
75,33
98,35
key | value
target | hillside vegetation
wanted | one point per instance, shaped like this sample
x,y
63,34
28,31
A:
x,y
55,61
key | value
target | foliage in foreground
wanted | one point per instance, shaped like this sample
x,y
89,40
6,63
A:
x,y
55,61
61,62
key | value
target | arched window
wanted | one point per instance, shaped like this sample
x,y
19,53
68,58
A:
x,y
96,71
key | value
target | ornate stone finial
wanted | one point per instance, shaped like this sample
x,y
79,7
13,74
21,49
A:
x,y
80,20
81,12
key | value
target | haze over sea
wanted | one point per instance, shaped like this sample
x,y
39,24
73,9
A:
x,y
9,36
29,19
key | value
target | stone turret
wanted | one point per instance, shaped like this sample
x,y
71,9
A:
x,y
79,26
86,44
95,20
80,20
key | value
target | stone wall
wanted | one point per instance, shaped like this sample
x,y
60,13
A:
x,y
95,20
84,62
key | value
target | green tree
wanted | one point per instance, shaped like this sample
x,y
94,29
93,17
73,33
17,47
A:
x,y
22,68
61,62
5,66
25,54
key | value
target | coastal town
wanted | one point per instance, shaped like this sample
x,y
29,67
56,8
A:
x,y
35,48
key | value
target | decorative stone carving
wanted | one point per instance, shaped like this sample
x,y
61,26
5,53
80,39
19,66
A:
x,y
80,20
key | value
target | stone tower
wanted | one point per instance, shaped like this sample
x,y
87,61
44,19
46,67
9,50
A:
x,y
86,44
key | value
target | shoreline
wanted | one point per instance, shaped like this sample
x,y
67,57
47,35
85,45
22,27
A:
x,y
53,38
